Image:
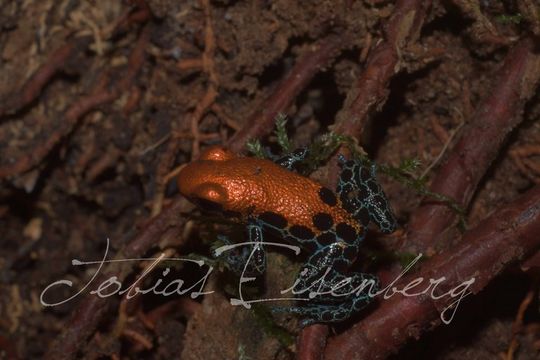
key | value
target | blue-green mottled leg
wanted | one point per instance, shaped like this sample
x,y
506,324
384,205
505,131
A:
x,y
253,254
290,161
363,196
332,307
332,295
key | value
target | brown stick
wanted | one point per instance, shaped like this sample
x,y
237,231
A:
x,y
311,342
371,89
57,61
370,92
478,146
92,309
85,104
506,237
483,30
33,86
261,122
101,95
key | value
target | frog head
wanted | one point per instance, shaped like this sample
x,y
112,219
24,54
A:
x,y
207,182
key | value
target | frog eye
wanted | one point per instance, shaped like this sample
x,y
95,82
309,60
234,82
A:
x,y
210,191
209,197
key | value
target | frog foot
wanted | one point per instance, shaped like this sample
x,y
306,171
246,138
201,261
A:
x,y
325,313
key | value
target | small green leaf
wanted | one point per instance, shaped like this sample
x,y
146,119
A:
x,y
510,19
281,133
419,184
254,146
410,165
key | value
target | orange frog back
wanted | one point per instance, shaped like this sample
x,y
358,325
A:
x,y
251,186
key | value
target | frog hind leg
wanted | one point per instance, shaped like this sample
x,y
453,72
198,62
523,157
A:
x,y
249,259
323,289
293,159
363,197
338,306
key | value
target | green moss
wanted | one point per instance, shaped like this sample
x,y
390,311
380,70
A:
x,y
404,174
509,19
281,134
265,319
254,147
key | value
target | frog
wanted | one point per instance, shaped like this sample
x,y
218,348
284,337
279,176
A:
x,y
270,196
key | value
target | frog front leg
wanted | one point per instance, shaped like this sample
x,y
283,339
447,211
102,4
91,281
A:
x,y
291,160
249,259
362,195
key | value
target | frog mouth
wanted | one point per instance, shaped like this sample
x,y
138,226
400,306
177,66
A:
x,y
207,205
